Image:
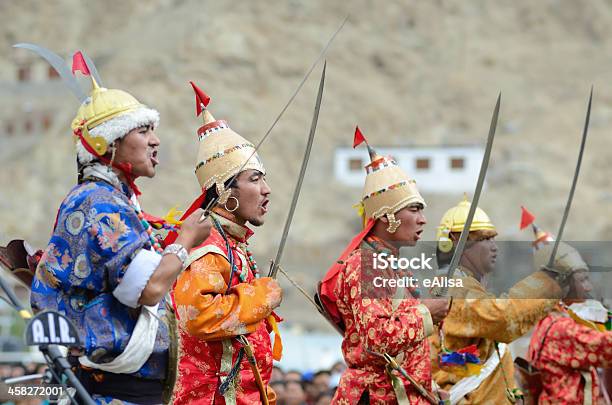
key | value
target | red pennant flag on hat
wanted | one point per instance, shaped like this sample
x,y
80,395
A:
x,y
359,138
201,99
527,218
78,63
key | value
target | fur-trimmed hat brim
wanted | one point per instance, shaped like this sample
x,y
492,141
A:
x,y
118,127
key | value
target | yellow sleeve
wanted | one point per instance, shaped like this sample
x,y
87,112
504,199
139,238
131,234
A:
x,y
208,313
477,314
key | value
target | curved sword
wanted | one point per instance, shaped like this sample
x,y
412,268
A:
x,y
570,197
278,117
60,67
298,185
479,184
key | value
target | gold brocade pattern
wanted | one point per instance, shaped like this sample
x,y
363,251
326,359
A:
x,y
479,318
226,366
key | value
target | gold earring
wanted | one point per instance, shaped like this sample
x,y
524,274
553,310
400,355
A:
x,y
393,223
235,208
445,243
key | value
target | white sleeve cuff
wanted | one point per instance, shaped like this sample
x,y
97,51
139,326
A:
x,y
136,277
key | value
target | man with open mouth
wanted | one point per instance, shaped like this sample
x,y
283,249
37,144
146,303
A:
x,y
570,343
473,362
103,268
381,321
224,310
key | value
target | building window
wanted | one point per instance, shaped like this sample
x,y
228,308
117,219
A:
x,y
457,163
355,164
10,128
24,73
46,122
52,73
422,163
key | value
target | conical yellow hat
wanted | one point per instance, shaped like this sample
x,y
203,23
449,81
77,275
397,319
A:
x,y
222,154
388,189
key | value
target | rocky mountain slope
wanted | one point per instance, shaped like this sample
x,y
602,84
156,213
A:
x,y
409,73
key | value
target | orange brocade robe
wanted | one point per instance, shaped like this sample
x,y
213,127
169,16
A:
x,y
567,359
378,324
209,319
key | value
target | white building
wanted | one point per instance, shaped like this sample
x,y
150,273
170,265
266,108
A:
x,y
443,169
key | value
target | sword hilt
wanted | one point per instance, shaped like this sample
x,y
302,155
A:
x,y
204,216
273,269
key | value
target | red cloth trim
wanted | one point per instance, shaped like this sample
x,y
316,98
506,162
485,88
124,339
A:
x,y
210,125
328,284
172,235
152,219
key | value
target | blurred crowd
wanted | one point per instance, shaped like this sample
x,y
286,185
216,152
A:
x,y
292,387
309,388
12,370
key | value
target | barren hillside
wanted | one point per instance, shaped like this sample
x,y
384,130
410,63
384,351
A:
x,y
409,73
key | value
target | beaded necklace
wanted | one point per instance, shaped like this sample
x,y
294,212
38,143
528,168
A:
x,y
251,261
149,229
230,246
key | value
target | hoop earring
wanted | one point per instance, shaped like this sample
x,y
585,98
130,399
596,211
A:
x,y
235,208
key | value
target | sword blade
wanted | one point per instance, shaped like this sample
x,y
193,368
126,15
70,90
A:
x,y
278,117
60,67
570,197
479,184
298,185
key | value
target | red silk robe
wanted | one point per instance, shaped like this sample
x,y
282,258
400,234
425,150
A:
x,y
208,319
399,329
568,358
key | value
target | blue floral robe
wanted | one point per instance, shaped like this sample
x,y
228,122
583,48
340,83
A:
x,y
97,235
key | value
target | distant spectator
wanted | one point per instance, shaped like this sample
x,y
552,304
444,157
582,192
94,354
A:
x,y
310,391
279,387
5,370
320,381
307,376
336,372
41,369
294,376
325,398
277,374
294,393
338,367
18,370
